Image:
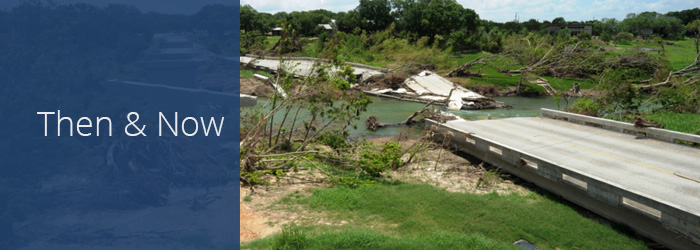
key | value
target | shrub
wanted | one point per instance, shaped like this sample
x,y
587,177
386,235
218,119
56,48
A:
x,y
375,160
335,139
624,38
585,106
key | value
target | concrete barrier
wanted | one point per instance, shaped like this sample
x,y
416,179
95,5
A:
x,y
358,65
669,225
622,127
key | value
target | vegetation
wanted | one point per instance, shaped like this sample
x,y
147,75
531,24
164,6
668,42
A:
x,y
414,216
639,66
397,33
248,74
277,138
682,122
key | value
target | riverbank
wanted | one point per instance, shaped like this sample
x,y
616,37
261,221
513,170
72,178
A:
x,y
442,200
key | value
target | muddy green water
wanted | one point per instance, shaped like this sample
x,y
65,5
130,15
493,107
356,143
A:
x,y
394,111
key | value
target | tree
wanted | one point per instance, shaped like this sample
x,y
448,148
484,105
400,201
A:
x,y
247,15
693,30
434,17
347,22
686,16
375,14
559,21
606,26
532,25
648,23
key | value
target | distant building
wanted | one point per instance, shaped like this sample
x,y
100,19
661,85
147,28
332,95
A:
x,y
276,31
330,28
574,28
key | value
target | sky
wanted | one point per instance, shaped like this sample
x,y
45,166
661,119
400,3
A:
x,y
505,10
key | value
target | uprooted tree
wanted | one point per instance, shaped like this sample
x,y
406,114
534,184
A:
x,y
301,115
313,106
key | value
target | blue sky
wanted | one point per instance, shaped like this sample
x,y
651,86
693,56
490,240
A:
x,y
505,10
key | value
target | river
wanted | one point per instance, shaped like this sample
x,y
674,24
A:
x,y
395,111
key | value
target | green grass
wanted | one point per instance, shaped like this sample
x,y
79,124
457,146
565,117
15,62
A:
x,y
686,123
270,41
566,84
423,217
679,55
368,239
248,73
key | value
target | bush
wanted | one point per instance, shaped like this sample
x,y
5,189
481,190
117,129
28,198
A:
x,y
251,42
335,139
585,106
374,161
624,38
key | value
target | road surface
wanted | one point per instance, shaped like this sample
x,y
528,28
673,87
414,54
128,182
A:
x,y
665,172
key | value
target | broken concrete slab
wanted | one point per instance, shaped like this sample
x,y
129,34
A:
x,y
430,87
304,66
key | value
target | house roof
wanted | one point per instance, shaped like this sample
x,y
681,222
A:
x,y
326,26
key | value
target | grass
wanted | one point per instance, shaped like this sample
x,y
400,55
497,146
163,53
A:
x,y
681,122
679,55
248,73
566,84
423,217
368,239
270,41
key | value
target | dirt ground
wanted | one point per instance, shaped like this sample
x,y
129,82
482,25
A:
x,y
436,166
255,87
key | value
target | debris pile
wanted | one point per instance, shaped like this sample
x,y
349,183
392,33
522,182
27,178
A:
x,y
430,87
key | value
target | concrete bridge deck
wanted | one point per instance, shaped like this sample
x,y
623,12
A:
x,y
303,66
651,185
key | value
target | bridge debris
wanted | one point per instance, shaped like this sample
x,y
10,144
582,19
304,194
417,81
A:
x,y
374,124
424,87
640,122
430,87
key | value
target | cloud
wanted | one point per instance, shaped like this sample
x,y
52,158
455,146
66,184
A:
x,y
572,10
272,6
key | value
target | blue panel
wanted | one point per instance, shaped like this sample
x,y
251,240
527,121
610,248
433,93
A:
x,y
78,170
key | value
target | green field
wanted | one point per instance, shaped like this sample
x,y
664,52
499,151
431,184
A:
x,y
412,216
679,53
248,73
270,41
682,122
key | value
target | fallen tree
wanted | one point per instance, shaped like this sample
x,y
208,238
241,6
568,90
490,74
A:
x,y
463,70
692,72
374,124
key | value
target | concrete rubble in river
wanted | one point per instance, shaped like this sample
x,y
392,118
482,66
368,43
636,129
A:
x,y
424,87
430,87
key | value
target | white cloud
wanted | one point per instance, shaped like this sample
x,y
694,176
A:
x,y
504,10
272,6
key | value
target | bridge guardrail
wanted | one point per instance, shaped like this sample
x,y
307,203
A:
x,y
622,127
671,217
383,70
